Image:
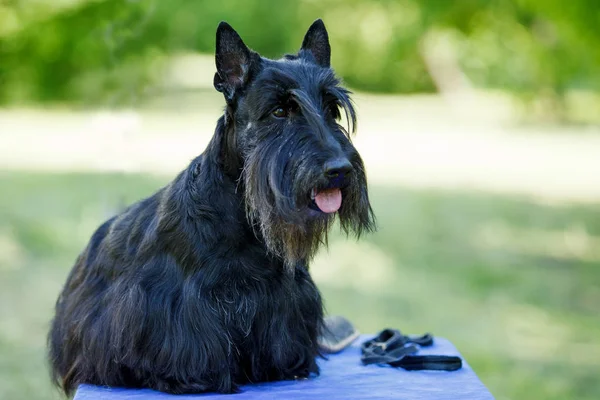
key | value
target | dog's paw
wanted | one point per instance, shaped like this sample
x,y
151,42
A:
x,y
302,374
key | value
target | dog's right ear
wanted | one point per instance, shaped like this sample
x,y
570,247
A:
x,y
232,57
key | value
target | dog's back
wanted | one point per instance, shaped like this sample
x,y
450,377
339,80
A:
x,y
77,332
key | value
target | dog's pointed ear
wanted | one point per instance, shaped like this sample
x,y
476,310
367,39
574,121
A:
x,y
316,41
232,58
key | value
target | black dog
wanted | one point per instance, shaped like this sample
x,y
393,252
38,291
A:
x,y
205,286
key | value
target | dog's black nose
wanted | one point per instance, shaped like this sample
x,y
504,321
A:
x,y
337,167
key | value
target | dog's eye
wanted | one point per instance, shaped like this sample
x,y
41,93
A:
x,y
334,111
280,112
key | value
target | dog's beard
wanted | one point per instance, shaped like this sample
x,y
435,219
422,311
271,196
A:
x,y
278,204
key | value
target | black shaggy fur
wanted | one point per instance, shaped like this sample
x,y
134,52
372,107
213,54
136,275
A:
x,y
204,285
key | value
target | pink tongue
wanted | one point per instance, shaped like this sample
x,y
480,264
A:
x,y
329,200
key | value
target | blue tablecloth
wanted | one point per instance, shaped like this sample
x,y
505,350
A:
x,y
342,377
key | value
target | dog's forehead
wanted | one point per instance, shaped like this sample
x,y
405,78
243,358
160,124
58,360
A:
x,y
296,72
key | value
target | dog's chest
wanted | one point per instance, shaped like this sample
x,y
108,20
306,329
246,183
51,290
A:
x,y
255,299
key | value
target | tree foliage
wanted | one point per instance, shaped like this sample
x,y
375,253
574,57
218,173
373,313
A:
x,y
94,50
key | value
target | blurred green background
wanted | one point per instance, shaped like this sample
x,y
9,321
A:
x,y
86,50
478,123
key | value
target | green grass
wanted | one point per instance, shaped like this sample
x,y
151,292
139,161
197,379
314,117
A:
x,y
515,285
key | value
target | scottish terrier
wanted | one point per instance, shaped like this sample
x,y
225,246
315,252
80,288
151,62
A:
x,y
204,286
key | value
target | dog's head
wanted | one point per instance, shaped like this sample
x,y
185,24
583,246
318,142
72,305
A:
x,y
284,140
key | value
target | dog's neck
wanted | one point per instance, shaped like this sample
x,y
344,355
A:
x,y
222,164
222,149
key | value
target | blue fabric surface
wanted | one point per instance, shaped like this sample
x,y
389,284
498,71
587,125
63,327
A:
x,y
342,377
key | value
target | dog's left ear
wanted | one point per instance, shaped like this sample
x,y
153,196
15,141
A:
x,y
232,58
316,41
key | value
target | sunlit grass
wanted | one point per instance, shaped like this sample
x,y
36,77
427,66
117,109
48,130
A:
x,y
513,284
574,243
